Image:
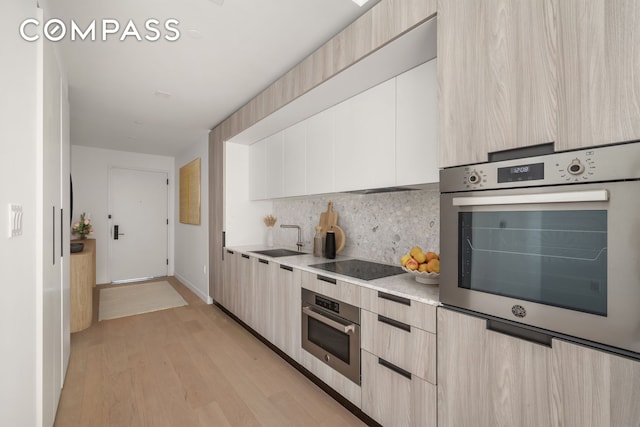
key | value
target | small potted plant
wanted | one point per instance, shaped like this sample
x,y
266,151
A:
x,y
82,227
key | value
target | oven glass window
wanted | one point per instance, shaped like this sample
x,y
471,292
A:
x,y
557,258
332,340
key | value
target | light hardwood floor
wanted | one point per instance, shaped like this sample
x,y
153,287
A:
x,y
186,366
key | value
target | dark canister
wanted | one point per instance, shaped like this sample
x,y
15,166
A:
x,y
330,244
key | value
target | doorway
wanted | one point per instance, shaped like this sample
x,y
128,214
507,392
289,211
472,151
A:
x,y
139,222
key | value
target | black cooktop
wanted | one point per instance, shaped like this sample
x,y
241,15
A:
x,y
365,270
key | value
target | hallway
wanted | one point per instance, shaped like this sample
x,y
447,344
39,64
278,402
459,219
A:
x,y
186,366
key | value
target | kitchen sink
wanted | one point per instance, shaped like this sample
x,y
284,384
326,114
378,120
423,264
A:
x,y
278,252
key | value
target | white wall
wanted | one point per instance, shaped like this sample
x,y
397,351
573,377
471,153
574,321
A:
x,y
90,172
242,218
192,241
18,174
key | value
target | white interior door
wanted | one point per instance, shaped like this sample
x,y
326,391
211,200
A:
x,y
139,225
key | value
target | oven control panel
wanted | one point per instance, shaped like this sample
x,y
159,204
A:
x,y
328,304
608,163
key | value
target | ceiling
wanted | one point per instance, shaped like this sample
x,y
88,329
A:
x,y
160,97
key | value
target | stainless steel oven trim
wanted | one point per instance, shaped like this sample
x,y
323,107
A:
x,y
563,197
349,327
345,329
620,329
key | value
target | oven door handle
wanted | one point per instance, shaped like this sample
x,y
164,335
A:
x,y
347,329
516,199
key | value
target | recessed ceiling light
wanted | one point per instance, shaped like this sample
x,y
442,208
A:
x,y
162,94
218,2
360,2
138,122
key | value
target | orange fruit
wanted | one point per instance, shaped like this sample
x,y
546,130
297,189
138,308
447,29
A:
x,y
432,255
412,264
433,266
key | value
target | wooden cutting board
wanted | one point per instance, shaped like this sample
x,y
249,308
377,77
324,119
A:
x,y
328,218
341,239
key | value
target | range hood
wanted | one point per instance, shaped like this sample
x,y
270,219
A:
x,y
433,186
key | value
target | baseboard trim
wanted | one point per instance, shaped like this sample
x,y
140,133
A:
x,y
193,288
304,371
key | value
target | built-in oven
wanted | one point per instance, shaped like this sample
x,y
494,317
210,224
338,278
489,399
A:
x,y
550,241
331,332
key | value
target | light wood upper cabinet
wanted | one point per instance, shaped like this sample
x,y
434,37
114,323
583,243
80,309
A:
x,y
599,72
417,125
497,77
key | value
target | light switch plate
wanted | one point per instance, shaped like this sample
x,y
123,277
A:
x,y
15,220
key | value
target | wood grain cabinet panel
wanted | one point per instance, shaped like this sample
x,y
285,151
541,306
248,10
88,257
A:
x,y
489,379
497,77
340,290
404,310
222,294
406,346
393,399
593,388
286,311
82,282
599,72
244,290
262,297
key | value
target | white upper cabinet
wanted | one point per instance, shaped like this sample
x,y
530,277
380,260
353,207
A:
x,y
294,166
385,136
274,163
257,170
364,151
417,125
320,146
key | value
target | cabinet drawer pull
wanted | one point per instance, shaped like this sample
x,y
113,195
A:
x,y
263,261
286,267
326,279
519,332
229,252
245,256
394,368
394,323
394,298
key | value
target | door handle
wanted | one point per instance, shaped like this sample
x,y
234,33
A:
x,y
116,233
347,329
568,197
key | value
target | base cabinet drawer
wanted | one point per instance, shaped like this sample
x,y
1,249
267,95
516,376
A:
x,y
393,397
402,309
406,346
333,288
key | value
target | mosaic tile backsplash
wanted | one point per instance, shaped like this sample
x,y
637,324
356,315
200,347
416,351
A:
x,y
378,227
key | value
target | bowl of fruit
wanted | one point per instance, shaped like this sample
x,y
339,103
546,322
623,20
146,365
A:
x,y
424,266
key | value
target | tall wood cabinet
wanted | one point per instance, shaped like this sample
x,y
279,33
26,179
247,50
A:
x,y
594,387
598,71
519,73
487,378
497,77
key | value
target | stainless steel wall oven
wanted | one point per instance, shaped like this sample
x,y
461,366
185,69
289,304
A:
x,y
550,241
331,332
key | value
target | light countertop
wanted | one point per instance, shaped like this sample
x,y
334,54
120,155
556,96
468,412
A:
x,y
403,285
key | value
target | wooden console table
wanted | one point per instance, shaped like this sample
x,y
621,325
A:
x,y
83,280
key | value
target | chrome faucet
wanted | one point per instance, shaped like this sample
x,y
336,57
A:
x,y
299,243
